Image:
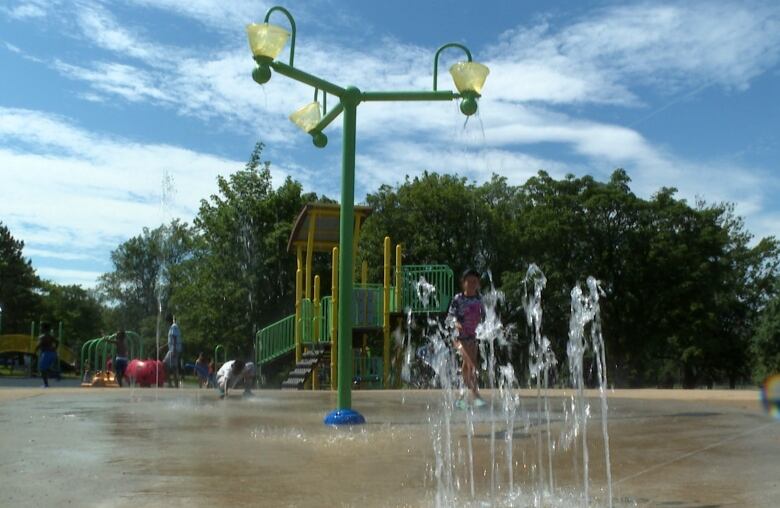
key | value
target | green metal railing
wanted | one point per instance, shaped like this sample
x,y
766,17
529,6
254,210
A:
x,y
275,340
307,320
368,370
278,339
440,276
326,310
98,350
367,301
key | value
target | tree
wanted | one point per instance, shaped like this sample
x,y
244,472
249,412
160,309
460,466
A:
x,y
683,284
436,218
144,277
240,277
78,310
18,282
688,289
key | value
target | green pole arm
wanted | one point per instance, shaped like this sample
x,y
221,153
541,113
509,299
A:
x,y
292,27
436,58
327,119
303,77
410,96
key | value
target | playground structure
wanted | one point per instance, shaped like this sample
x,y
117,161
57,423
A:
x,y
312,332
96,352
25,344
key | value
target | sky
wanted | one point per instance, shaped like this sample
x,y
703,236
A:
x,y
103,102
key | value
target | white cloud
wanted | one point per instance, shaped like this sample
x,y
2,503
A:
x,y
30,9
99,26
84,278
219,14
511,124
56,252
12,48
390,162
85,192
18,51
110,78
667,46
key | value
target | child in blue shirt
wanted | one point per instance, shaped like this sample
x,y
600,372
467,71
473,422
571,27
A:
x,y
47,354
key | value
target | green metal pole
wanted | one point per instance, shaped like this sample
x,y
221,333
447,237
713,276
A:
x,y
426,95
350,100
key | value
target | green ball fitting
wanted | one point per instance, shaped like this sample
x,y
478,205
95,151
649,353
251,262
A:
x,y
468,106
319,139
261,74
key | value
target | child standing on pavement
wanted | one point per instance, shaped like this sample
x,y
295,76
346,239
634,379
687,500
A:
x,y
466,312
202,370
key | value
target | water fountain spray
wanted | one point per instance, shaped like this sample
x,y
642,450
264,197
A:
x,y
586,315
541,360
167,194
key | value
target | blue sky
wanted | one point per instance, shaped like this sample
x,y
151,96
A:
x,y
100,101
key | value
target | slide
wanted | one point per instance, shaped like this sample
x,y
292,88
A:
x,y
24,344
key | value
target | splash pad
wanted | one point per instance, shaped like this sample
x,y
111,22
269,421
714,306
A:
x,y
529,446
668,448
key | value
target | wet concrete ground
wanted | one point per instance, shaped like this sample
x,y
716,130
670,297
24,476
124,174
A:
x,y
110,447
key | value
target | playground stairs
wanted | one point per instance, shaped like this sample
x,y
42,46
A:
x,y
302,372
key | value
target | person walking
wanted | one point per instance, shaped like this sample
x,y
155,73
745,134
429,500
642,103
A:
x,y
175,348
47,354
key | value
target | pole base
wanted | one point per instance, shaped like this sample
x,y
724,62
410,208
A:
x,y
344,417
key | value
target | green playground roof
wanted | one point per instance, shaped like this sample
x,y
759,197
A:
x,y
325,217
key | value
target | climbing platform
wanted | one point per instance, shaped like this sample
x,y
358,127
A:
x,y
374,307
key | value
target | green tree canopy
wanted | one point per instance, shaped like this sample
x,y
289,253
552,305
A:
x,y
240,277
684,285
18,282
145,275
77,309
